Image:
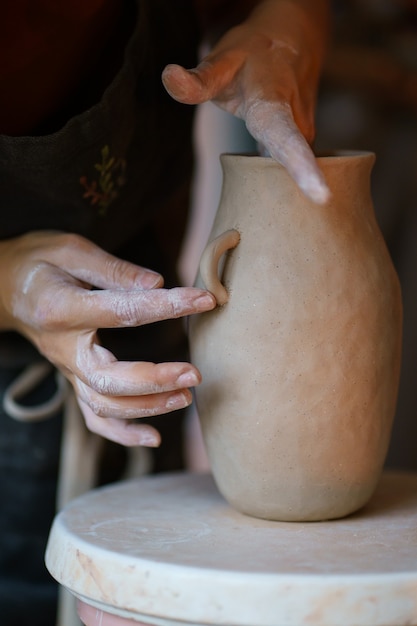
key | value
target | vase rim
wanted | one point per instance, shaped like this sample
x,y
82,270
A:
x,y
328,155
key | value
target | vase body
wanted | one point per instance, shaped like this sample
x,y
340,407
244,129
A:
x,y
300,361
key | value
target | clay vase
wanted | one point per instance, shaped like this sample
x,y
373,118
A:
x,y
300,361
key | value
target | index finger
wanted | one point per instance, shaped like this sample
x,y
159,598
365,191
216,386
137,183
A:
x,y
272,124
126,308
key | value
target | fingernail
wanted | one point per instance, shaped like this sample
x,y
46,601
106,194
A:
x,y
204,303
187,379
149,440
178,401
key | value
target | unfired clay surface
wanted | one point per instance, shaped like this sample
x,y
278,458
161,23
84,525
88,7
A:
x,y
300,365
169,547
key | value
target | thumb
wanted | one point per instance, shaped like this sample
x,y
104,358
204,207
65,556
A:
x,y
205,82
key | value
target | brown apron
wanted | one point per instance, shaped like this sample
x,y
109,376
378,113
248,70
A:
x,y
117,173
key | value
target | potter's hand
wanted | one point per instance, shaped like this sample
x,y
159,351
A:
x,y
266,71
46,280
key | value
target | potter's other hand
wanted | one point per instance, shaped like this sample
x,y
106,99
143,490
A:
x,y
58,289
266,71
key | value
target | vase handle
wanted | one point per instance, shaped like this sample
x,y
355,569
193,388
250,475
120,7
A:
x,y
209,264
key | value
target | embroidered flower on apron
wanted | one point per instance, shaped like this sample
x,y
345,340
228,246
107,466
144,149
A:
x,y
111,178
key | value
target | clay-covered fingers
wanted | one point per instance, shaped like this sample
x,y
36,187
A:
x,y
265,70
132,407
115,308
57,302
272,125
60,290
208,81
116,392
100,371
226,80
128,390
183,85
124,432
